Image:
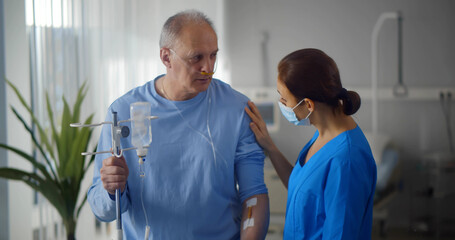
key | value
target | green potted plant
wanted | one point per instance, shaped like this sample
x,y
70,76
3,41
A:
x,y
59,174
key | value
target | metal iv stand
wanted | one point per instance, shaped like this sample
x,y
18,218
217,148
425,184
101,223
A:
x,y
117,132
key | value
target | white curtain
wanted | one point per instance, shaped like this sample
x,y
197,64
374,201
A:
x,y
122,39
111,44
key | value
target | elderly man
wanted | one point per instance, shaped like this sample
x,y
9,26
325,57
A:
x,y
204,169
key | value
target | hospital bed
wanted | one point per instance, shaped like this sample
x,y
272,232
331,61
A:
x,y
389,177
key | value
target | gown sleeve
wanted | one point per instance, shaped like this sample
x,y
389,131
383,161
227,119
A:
x,y
249,163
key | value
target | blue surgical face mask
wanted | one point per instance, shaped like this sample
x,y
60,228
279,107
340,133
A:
x,y
289,114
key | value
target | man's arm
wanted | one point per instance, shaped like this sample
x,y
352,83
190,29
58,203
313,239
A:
x,y
249,171
255,217
101,202
282,166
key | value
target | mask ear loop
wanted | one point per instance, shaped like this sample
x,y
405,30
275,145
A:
x,y
307,116
298,104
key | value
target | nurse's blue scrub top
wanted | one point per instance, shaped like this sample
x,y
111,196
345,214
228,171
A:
x,y
331,196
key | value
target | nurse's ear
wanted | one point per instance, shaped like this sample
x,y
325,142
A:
x,y
309,104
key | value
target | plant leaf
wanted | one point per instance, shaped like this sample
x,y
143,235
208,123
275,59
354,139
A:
x,y
77,105
45,172
66,134
27,157
92,159
81,205
45,187
64,148
43,135
79,144
54,134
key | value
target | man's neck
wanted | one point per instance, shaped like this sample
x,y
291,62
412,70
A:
x,y
171,90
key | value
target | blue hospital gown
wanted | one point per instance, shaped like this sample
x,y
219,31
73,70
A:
x,y
331,196
187,193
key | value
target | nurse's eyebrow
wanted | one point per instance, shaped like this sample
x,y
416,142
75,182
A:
x,y
281,96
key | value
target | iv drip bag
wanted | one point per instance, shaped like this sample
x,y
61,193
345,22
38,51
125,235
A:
x,y
141,127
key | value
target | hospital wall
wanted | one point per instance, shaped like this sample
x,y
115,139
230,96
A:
x,y
4,213
343,30
20,196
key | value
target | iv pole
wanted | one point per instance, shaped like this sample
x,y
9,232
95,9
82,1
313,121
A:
x,y
118,153
117,132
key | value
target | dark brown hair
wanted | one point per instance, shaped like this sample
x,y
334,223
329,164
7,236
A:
x,y
310,73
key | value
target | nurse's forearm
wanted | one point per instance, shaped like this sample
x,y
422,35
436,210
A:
x,y
282,166
255,217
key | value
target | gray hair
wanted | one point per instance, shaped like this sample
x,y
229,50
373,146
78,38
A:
x,y
174,24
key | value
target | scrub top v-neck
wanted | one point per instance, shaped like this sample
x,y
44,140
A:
x,y
331,195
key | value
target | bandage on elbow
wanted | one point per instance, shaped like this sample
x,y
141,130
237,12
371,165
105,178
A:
x,y
249,222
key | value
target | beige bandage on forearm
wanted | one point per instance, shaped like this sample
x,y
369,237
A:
x,y
249,222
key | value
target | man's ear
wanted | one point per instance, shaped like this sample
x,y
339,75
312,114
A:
x,y
165,57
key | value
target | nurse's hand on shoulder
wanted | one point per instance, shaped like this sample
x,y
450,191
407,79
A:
x,y
114,174
259,127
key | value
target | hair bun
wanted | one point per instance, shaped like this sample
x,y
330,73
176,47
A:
x,y
343,93
351,101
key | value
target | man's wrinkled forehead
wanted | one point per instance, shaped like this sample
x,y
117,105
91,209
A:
x,y
194,36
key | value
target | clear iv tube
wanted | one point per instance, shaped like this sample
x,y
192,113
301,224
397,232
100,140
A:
x,y
208,139
142,176
208,130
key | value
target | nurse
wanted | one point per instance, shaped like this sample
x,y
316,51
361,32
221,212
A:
x,y
331,186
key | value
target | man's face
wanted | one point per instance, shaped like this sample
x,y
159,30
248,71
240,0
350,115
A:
x,y
194,54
